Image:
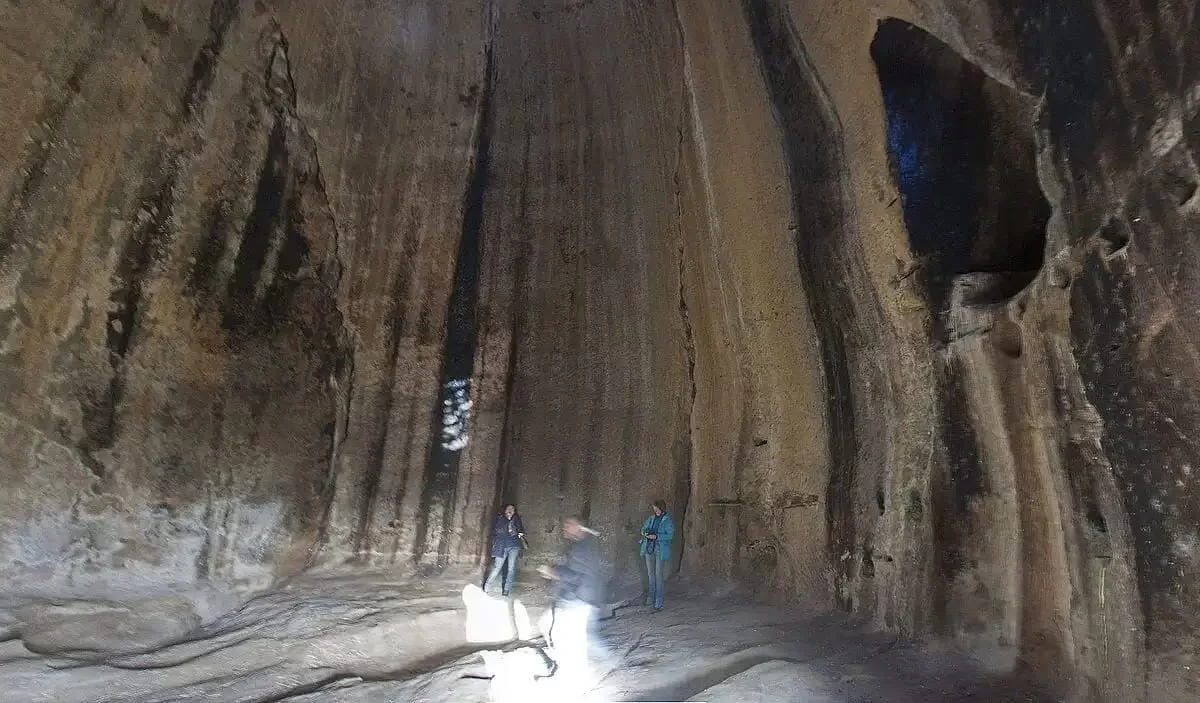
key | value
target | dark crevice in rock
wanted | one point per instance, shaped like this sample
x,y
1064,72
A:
x,y
955,490
293,253
221,16
220,226
1079,465
441,470
963,155
212,247
144,247
141,250
685,462
1114,236
317,686
810,138
958,436
98,413
274,249
271,209
868,562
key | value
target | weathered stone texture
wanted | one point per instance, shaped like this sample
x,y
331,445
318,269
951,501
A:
x,y
892,301
170,287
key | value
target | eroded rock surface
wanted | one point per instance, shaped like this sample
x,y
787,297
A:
x,y
371,637
890,299
88,627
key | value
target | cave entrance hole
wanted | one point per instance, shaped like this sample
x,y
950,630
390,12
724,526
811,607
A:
x,y
963,153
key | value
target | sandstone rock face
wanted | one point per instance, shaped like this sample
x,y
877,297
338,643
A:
x,y
172,319
891,300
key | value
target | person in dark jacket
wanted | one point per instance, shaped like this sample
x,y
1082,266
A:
x,y
579,585
657,534
507,536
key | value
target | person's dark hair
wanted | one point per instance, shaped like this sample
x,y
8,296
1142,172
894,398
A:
x,y
661,505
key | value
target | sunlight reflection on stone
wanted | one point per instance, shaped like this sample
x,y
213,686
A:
x,y
488,619
522,675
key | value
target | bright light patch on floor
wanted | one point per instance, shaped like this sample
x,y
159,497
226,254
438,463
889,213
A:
x,y
524,624
488,619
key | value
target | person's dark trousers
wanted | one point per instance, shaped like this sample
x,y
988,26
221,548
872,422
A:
x,y
510,556
654,572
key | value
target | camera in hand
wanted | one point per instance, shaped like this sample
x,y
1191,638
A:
x,y
651,544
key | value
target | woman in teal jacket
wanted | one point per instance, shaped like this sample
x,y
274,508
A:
x,y
657,533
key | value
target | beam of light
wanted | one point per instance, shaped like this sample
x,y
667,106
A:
x,y
456,414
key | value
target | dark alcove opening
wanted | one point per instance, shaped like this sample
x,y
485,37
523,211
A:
x,y
964,157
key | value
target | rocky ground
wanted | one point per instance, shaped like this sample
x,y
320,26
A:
x,y
382,638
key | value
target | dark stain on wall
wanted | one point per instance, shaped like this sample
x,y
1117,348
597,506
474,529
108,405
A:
x,y
810,143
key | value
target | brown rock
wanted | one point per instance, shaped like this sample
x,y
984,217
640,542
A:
x,y
891,301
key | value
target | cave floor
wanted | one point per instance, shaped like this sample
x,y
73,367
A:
x,y
378,638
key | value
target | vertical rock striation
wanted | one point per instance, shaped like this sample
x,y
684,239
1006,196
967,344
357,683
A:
x,y
170,296
892,301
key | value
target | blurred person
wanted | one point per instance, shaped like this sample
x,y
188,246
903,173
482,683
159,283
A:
x,y
579,590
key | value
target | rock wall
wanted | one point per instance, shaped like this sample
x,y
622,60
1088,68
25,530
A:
x,y
229,238
170,281
393,95
1044,540
888,299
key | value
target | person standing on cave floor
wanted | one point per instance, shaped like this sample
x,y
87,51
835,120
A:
x,y
508,534
657,533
